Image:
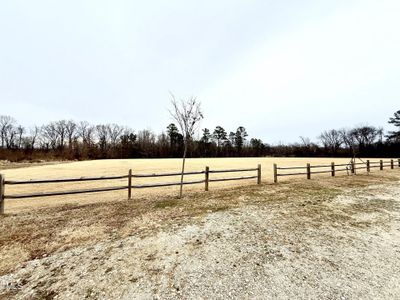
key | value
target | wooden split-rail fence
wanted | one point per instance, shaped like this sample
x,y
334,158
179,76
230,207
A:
x,y
307,170
129,186
350,168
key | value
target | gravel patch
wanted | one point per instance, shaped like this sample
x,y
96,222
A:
x,y
347,247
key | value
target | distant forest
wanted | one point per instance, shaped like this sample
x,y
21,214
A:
x,y
69,140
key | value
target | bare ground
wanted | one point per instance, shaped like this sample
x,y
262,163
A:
x,y
331,238
7,165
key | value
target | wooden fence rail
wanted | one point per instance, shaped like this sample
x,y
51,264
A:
x,y
13,182
130,176
332,168
350,168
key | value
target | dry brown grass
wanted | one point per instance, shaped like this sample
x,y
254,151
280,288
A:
x,y
36,233
121,167
6,165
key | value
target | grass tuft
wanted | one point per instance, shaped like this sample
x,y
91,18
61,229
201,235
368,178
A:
x,y
166,203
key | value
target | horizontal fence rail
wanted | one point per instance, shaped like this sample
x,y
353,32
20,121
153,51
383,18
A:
x,y
350,168
130,186
166,184
233,178
12,182
94,190
232,170
166,174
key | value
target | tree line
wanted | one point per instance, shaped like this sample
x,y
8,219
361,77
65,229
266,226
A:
x,y
67,139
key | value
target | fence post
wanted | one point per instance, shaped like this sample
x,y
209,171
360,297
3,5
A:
x,y
381,164
353,168
130,184
207,179
391,164
275,173
333,169
368,166
2,194
308,171
259,174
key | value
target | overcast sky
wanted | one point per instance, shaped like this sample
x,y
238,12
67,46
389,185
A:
x,y
282,69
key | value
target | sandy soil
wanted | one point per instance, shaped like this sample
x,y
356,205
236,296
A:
x,y
6,165
121,167
331,239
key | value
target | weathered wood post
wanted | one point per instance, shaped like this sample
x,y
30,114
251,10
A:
x,y
308,171
333,169
352,167
2,185
368,166
259,174
207,178
391,164
381,165
130,184
275,173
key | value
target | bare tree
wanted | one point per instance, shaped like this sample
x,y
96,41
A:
x,y
381,134
31,139
114,132
305,141
163,144
20,132
90,135
146,140
365,135
10,136
187,113
103,137
6,125
71,128
347,138
61,129
85,132
331,139
50,135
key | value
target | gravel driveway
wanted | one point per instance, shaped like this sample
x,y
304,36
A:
x,y
341,247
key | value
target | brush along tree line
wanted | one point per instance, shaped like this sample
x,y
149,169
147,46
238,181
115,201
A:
x,y
67,139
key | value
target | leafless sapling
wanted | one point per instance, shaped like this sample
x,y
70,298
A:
x,y
188,114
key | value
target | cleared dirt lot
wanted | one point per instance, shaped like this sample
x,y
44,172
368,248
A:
x,y
121,167
331,238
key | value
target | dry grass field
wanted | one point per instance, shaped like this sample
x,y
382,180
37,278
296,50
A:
x,y
121,167
5,164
